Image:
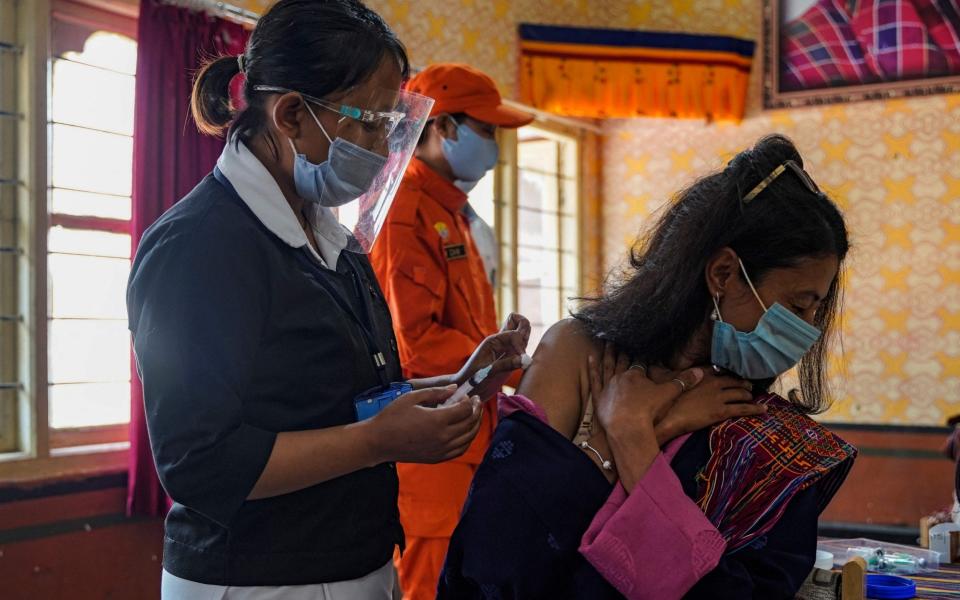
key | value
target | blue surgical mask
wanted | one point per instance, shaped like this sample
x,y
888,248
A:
x,y
775,346
470,155
347,174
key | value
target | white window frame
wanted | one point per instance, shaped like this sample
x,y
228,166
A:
x,y
506,187
32,457
106,17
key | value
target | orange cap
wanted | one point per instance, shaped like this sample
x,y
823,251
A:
x,y
458,88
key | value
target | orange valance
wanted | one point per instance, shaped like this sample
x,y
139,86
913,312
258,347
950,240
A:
x,y
611,73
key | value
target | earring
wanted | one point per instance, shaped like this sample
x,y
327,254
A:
x,y
715,314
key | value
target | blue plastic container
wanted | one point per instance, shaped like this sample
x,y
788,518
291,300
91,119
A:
x,y
885,587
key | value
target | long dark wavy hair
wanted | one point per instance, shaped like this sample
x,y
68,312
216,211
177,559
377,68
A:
x,y
653,309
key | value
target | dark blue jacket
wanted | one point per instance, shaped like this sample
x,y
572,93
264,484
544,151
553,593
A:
x,y
238,337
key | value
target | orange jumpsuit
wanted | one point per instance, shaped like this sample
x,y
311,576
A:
x,y
443,307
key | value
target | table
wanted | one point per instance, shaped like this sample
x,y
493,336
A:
x,y
943,583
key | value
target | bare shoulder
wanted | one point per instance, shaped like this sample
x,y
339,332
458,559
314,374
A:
x,y
556,380
568,331
566,343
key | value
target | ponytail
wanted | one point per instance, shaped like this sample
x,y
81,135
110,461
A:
x,y
210,100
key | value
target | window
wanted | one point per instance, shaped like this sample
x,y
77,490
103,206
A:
x,y
91,157
65,184
533,201
548,257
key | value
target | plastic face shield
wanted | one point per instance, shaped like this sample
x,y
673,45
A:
x,y
394,138
384,122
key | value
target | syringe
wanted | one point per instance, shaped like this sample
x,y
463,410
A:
x,y
468,386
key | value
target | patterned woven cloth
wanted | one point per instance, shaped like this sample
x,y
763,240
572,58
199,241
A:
x,y
758,464
848,42
942,583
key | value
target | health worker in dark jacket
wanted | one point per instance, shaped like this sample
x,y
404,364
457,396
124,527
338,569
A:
x,y
273,391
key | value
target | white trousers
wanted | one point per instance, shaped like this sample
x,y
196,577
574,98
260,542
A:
x,y
381,584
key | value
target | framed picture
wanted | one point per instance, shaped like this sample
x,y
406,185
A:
x,y
829,51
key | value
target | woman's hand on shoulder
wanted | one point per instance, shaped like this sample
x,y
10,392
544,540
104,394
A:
x,y
628,405
714,400
627,402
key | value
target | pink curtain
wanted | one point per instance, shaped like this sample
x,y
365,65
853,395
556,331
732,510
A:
x,y
169,158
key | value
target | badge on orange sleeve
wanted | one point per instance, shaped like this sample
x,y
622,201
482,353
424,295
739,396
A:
x,y
442,229
455,251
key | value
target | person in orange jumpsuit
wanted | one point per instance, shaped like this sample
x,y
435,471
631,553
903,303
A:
x,y
441,300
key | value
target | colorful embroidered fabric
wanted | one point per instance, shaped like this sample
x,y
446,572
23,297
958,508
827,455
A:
x,y
757,464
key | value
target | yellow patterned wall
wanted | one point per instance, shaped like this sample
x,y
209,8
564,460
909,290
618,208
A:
x,y
484,32
894,166
894,169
